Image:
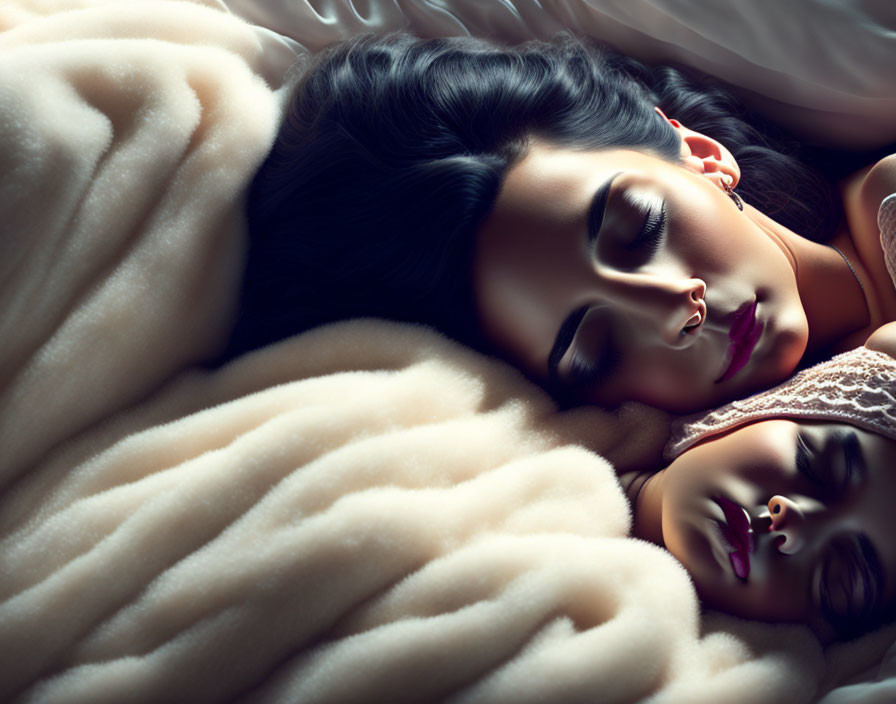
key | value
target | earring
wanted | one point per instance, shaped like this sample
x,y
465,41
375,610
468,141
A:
x,y
726,183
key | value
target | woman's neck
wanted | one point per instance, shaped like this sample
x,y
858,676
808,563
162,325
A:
x,y
834,289
839,311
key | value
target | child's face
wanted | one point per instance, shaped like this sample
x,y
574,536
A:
x,y
821,503
674,297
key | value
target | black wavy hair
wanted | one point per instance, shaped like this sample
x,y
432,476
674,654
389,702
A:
x,y
393,150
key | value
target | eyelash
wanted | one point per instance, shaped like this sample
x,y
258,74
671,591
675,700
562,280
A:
x,y
825,592
848,442
855,555
652,232
585,373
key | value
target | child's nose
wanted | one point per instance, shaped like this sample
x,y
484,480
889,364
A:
x,y
788,520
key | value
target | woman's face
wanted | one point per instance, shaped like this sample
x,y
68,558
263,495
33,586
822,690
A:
x,y
780,519
615,275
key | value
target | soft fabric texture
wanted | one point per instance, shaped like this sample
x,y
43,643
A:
x,y
415,528
128,133
366,512
856,387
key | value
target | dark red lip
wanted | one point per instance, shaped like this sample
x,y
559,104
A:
x,y
744,334
738,533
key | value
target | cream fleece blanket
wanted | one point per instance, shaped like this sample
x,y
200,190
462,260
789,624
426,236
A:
x,y
127,135
417,528
366,512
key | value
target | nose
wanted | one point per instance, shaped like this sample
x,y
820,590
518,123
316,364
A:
x,y
673,306
789,521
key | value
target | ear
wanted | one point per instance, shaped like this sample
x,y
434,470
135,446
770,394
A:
x,y
705,156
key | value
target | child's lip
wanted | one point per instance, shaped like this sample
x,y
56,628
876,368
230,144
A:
x,y
744,334
738,533
737,518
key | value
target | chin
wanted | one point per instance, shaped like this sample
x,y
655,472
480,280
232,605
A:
x,y
790,343
722,597
777,365
691,546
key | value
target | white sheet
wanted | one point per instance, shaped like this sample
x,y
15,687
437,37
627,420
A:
x,y
822,68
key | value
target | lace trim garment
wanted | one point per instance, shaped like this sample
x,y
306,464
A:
x,y
856,387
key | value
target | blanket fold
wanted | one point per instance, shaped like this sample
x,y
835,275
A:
x,y
367,512
125,145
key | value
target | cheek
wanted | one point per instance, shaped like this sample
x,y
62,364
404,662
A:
x,y
715,240
688,538
776,596
705,233
688,522
672,381
517,319
687,510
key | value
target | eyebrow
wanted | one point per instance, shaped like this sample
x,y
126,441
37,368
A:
x,y
598,207
570,324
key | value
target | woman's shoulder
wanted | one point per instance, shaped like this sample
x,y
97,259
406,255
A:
x,y
883,339
862,193
879,182
864,190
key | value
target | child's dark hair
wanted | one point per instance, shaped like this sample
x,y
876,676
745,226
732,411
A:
x,y
393,150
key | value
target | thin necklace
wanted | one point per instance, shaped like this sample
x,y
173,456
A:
x,y
837,250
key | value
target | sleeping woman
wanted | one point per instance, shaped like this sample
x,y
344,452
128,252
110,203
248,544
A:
x,y
780,506
617,232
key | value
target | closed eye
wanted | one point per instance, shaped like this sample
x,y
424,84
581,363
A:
x,y
651,234
564,339
584,373
592,354
802,459
857,592
853,462
819,468
637,231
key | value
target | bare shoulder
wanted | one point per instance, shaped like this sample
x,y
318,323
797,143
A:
x,y
864,190
862,194
883,339
879,182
